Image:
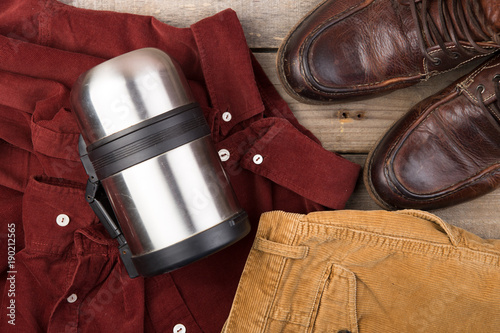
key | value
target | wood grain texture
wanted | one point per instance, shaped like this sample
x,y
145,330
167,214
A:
x,y
355,125
265,22
351,127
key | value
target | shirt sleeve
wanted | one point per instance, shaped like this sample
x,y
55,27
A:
x,y
275,149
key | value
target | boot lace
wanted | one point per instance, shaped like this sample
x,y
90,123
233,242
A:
x,y
461,9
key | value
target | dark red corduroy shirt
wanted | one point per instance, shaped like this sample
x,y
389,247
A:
x,y
67,277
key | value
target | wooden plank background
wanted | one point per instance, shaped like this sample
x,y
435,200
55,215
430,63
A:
x,y
350,127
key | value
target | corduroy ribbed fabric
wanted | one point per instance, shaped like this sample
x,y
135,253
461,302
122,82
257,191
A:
x,y
367,271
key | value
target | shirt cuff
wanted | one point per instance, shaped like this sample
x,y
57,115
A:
x,y
291,159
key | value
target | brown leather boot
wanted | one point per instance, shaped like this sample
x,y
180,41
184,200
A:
x,y
346,48
445,150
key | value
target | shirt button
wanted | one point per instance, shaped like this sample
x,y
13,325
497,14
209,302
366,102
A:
x,y
179,328
258,159
226,116
72,298
224,155
62,220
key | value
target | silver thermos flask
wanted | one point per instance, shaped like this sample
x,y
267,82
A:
x,y
155,178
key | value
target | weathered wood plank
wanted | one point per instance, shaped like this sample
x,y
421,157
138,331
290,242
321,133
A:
x,y
265,22
355,125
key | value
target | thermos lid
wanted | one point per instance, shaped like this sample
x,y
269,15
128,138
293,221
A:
x,y
127,90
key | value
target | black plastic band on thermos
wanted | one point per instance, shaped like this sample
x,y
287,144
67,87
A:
x,y
147,139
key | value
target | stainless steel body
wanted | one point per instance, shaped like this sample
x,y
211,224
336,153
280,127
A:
x,y
150,148
171,197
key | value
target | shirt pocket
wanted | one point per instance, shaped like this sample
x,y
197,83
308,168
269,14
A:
x,y
313,295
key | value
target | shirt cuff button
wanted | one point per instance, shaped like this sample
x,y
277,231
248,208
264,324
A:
x,y
179,328
258,159
62,220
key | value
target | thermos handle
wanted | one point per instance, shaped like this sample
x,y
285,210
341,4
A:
x,y
99,203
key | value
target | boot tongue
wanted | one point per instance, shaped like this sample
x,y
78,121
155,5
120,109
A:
x,y
491,10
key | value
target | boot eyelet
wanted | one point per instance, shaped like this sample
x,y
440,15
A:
x,y
496,78
455,55
436,61
480,88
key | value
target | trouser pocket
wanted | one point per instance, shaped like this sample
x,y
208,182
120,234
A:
x,y
311,294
